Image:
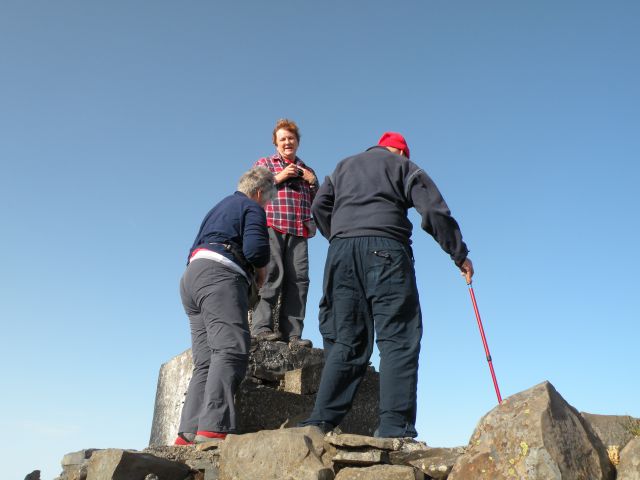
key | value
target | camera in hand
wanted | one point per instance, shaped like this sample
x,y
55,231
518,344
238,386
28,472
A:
x,y
299,171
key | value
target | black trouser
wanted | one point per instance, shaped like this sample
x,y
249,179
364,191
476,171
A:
x,y
369,284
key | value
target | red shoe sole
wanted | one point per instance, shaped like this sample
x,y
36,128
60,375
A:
x,y
207,434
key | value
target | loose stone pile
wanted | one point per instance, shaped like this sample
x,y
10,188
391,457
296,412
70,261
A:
x,y
534,434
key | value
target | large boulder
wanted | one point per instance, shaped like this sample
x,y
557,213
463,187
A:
x,y
613,430
115,464
536,435
629,467
286,454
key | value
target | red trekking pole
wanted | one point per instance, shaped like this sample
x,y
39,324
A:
x,y
484,342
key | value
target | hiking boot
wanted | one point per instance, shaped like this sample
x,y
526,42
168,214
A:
x,y
267,336
297,342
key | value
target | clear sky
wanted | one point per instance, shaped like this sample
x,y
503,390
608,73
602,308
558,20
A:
x,y
123,122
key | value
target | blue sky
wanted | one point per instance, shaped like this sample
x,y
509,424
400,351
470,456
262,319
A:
x,y
124,122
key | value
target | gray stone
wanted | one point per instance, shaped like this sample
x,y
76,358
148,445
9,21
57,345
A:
x,y
173,381
435,462
270,361
74,472
209,445
536,435
303,381
261,407
286,454
115,464
35,475
612,429
204,461
380,472
629,467
361,457
355,441
77,458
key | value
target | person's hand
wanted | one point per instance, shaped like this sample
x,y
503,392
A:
x,y
466,270
260,276
307,176
290,171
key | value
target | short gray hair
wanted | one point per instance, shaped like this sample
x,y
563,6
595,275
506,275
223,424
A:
x,y
258,179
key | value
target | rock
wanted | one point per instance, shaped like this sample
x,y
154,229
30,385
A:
x,y
260,405
210,445
115,464
380,472
536,435
286,454
77,458
612,429
356,441
303,381
35,475
271,360
629,467
205,461
173,381
361,457
74,464
73,472
435,462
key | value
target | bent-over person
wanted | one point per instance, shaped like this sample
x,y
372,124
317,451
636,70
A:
x,y
231,247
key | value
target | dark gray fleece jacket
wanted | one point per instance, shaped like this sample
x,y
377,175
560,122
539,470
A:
x,y
369,194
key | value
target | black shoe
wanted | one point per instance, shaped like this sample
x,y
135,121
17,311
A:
x,y
297,342
267,336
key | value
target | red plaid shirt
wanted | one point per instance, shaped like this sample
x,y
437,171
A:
x,y
288,212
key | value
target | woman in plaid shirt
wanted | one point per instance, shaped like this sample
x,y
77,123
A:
x,y
290,225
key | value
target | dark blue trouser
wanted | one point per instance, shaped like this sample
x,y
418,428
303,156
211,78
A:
x,y
369,283
215,299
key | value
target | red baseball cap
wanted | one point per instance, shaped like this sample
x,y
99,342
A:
x,y
395,140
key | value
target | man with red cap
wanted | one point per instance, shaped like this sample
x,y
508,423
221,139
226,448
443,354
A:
x,y
369,280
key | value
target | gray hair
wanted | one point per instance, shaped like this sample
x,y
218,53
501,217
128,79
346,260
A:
x,y
258,179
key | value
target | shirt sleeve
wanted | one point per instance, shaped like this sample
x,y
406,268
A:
x,y
424,196
255,237
322,208
262,162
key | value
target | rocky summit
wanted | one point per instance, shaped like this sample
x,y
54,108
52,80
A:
x,y
533,435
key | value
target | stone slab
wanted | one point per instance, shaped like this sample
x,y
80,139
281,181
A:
x,y
357,441
380,472
286,454
115,464
362,457
303,381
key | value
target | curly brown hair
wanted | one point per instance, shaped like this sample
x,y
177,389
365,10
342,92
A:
x,y
287,124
